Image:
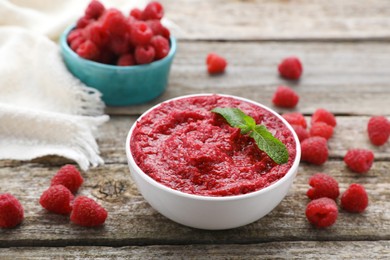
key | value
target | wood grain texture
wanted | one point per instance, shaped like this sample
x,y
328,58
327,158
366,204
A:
x,y
289,250
347,78
132,221
280,19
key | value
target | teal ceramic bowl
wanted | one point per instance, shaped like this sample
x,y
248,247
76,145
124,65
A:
x,y
120,86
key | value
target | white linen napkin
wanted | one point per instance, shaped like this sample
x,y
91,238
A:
x,y
44,110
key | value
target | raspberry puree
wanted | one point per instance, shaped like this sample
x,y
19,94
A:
x,y
184,146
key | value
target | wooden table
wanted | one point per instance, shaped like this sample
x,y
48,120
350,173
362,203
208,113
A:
x,y
345,50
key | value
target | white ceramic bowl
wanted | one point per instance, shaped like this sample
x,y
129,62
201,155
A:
x,y
212,213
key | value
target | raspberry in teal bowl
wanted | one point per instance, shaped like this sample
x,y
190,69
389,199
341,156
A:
x,y
120,85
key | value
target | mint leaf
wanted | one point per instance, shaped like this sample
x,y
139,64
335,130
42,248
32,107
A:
x,y
269,144
266,142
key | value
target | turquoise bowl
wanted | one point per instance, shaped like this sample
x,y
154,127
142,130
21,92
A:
x,y
120,85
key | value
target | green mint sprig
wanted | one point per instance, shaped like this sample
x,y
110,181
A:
x,y
266,142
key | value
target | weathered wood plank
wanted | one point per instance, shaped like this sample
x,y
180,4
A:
x,y
282,19
133,222
289,250
345,77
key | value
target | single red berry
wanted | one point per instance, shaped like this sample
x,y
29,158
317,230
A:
x,y
323,115
354,199
68,176
161,46
285,97
88,50
136,13
215,64
314,150
359,160
290,68
301,132
95,33
94,10
321,129
114,22
322,212
86,212
378,129
141,34
295,118
120,44
74,34
126,60
323,185
144,54
153,10
11,211
57,199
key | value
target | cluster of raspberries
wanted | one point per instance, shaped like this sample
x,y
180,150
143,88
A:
x,y
58,198
108,36
322,210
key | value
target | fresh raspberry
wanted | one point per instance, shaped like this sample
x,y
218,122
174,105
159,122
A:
x,y
301,132
119,44
354,199
75,44
11,211
153,10
126,60
322,212
290,68
285,97
88,50
86,212
94,10
96,34
136,13
141,34
74,34
69,176
323,115
378,129
215,64
314,150
114,22
144,54
83,22
161,46
57,199
359,160
323,185
321,129
295,118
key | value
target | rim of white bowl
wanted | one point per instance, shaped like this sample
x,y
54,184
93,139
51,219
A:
x,y
158,185
66,47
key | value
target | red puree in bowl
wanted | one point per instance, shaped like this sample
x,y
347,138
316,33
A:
x,y
184,146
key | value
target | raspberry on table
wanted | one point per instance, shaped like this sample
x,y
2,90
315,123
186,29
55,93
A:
x,y
323,115
68,176
301,132
354,199
321,129
295,118
86,212
153,10
94,9
322,212
57,199
314,150
285,97
11,211
216,64
378,129
161,46
359,160
323,185
144,54
290,68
